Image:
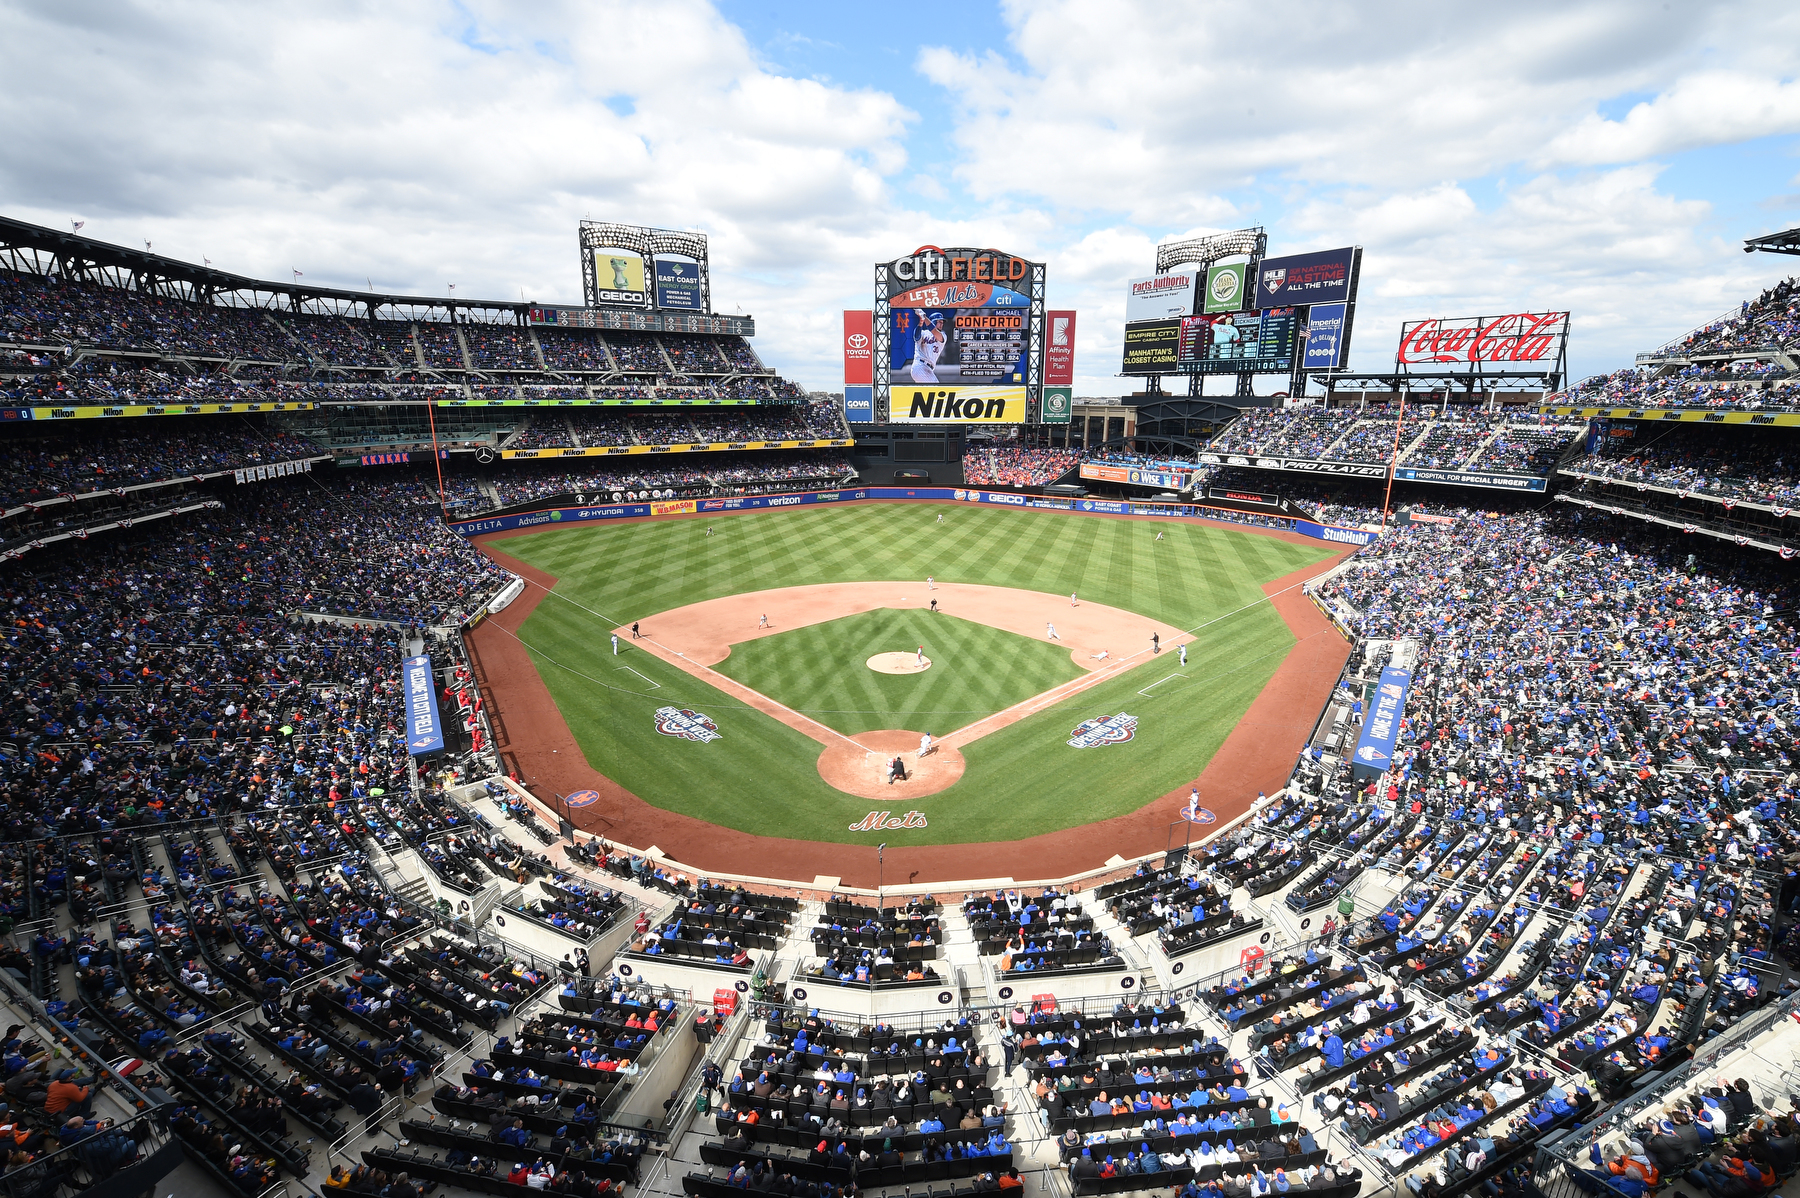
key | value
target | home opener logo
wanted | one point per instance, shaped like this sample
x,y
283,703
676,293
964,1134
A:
x,y
688,725
1104,730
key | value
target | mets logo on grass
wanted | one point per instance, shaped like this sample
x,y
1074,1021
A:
x,y
1103,730
688,725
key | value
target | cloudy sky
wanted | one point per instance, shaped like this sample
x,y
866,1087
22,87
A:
x,y
1608,158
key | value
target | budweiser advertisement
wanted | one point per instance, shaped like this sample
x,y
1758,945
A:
x,y
859,346
1059,352
1519,337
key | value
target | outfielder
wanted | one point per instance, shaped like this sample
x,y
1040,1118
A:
x,y
1183,649
940,517
1159,534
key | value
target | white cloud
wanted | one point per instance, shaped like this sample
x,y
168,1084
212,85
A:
x,y
1708,109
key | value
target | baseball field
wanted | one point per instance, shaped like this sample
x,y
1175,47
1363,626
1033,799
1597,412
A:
x,y
748,699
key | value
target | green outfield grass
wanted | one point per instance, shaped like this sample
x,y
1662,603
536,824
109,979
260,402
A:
x,y
761,776
975,671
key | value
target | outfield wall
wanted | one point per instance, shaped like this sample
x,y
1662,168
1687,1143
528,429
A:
x,y
583,514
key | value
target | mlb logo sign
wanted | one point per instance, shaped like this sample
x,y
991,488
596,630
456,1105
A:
x,y
1273,279
1103,730
686,724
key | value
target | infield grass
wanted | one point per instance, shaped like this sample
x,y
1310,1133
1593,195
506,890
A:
x,y
761,776
975,671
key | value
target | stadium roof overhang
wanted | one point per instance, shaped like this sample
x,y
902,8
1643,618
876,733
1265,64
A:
x,y
1774,243
84,257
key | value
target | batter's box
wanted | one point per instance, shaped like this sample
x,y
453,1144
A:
x,y
1146,691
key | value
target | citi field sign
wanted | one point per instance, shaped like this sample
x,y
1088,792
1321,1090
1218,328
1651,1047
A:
x,y
931,264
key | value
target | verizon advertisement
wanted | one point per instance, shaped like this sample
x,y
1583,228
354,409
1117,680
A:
x,y
859,347
1518,337
1059,350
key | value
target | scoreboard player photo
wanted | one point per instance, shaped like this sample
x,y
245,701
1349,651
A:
x,y
958,346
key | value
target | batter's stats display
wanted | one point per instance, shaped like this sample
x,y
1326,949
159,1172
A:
x,y
959,337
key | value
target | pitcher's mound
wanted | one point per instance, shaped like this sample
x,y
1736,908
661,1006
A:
x,y
898,663
860,767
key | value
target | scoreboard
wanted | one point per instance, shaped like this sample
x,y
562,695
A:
x,y
1230,342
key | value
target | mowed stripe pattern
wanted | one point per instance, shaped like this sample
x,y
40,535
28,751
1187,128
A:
x,y
761,776
975,671
1196,572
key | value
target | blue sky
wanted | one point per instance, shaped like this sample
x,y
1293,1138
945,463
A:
x,y
1607,158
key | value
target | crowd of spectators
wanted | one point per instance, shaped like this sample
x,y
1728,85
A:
x,y
1769,321
1699,459
1015,465
74,461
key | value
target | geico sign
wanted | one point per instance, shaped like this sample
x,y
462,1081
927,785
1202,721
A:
x,y
1519,337
1016,500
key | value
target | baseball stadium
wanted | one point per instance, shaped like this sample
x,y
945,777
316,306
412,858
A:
x,y
496,745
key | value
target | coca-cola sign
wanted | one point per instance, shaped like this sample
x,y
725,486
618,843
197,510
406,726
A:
x,y
1518,337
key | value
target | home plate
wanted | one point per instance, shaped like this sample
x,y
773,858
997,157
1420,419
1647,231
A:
x,y
899,663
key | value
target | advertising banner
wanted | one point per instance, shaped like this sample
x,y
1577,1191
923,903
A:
x,y
677,284
90,412
961,405
1231,493
1058,403
859,346
1325,337
424,731
1375,747
1323,277
1518,337
619,451
619,277
939,346
1134,476
1470,478
1225,287
1150,347
576,514
1688,415
1156,297
859,404
1059,350
1298,465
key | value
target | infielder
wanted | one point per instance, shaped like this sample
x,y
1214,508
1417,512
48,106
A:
x,y
930,583
765,622
615,637
1050,631
1183,649
1072,600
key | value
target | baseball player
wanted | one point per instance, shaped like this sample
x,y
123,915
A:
x,y
1050,631
940,517
1159,534
765,622
615,644
921,661
1072,600
1193,805
1183,649
709,530
927,347
924,744
930,583
1100,656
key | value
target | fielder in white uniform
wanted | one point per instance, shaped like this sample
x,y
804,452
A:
x,y
928,346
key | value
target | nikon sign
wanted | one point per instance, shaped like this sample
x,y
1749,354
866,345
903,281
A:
x,y
956,405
